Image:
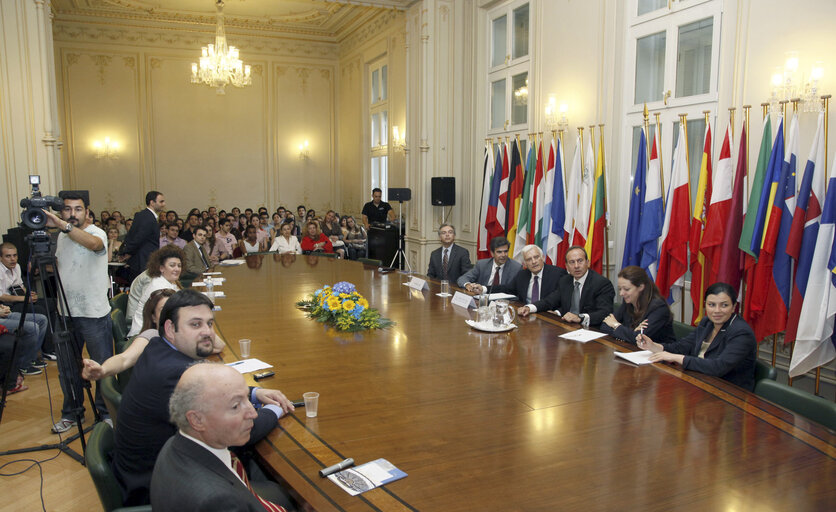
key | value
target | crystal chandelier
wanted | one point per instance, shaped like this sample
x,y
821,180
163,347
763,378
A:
x,y
219,63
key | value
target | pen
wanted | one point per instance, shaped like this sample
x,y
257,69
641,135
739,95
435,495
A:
x,y
236,363
336,467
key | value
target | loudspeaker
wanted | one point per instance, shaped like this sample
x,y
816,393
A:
x,y
399,194
443,191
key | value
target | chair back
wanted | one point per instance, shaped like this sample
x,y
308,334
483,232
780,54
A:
x,y
98,457
119,327
120,301
680,329
112,396
810,406
370,261
764,371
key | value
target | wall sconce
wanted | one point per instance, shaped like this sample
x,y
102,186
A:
x,y
786,84
556,117
398,140
106,149
304,151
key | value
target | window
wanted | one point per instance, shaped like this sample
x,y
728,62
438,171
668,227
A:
x,y
509,70
379,125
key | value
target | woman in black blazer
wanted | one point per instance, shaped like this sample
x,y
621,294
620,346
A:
x,y
723,345
643,309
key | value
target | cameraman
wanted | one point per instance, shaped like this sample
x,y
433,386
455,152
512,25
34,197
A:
x,y
81,255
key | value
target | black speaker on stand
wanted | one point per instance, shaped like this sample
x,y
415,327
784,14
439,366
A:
x,y
443,191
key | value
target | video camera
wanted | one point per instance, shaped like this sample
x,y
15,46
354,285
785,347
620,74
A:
x,y
33,216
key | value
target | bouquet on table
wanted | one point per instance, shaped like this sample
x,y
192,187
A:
x,y
344,308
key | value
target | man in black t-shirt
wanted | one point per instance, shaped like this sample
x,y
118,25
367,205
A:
x,y
377,210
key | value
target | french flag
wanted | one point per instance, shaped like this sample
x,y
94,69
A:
x,y
673,252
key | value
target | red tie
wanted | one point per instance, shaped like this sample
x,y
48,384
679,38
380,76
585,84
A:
x,y
239,470
496,276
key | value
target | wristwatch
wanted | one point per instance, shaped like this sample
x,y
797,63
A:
x,y
67,228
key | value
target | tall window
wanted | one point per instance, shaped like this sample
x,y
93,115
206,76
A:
x,y
379,125
509,68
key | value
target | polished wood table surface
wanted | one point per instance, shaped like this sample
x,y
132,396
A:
x,y
518,421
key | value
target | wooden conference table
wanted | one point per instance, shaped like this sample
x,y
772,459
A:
x,y
519,421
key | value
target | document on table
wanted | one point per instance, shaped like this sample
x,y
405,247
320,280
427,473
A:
x,y
230,263
367,476
249,365
582,335
500,296
640,357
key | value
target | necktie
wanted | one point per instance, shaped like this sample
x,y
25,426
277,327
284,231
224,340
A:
x,y
239,470
444,262
496,276
576,299
535,289
202,256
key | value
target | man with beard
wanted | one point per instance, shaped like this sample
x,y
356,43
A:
x,y
186,327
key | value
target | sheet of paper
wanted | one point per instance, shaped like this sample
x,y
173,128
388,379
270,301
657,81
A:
x,y
501,296
640,357
367,476
582,335
249,365
230,263
215,295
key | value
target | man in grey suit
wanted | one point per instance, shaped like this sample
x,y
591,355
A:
x,y
450,261
494,271
195,470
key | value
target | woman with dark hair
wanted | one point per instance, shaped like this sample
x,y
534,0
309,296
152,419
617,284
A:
x,y
643,309
314,240
164,268
723,345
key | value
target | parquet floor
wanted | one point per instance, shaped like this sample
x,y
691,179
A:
x,y
26,422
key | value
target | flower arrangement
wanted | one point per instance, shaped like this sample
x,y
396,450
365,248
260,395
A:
x,y
344,308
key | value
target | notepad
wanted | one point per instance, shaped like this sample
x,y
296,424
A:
x,y
249,365
367,476
640,357
582,335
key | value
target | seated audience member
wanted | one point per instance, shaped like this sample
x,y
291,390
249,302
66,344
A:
x,y
242,227
450,261
113,243
172,232
34,332
499,269
164,268
250,242
180,224
331,228
120,224
192,221
723,345
377,210
128,224
282,211
186,335
235,212
171,216
195,470
275,225
249,214
643,309
135,292
196,259
286,242
211,226
314,240
262,235
535,280
311,215
225,241
92,370
355,238
12,290
104,215
583,297
301,215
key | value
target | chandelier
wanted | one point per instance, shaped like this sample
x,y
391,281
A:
x,y
219,63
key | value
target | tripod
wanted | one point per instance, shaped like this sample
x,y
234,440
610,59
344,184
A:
x,y
67,348
401,242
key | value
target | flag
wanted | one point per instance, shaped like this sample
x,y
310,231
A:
x,y
773,273
749,235
504,184
699,272
585,200
673,252
598,214
496,212
632,243
515,189
526,203
718,210
804,229
731,257
653,213
557,211
572,196
482,235
813,343
536,234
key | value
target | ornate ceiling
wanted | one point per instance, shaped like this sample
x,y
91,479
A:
x,y
326,20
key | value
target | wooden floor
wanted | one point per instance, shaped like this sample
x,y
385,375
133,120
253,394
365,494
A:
x,y
26,423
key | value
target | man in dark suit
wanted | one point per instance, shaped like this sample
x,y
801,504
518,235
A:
x,y
144,235
491,271
450,261
535,280
583,297
195,469
187,335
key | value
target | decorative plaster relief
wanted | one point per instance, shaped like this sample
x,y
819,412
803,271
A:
x,y
101,62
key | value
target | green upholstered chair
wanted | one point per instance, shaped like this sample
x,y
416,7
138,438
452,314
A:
x,y
120,328
810,406
119,302
97,457
112,396
369,261
681,329
764,371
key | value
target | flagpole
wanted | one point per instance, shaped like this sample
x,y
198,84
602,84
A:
x,y
606,201
659,156
826,103
580,134
683,119
731,124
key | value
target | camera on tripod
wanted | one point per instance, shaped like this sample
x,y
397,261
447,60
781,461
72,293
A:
x,y
33,216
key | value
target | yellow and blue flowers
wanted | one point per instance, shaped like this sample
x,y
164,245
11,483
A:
x,y
342,306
